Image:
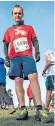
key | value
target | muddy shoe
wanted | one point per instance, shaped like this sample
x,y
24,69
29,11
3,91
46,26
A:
x,y
41,115
49,119
47,110
23,114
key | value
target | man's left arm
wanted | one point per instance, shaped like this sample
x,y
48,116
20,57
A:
x,y
36,46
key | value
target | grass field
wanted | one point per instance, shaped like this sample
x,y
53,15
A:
x,y
7,118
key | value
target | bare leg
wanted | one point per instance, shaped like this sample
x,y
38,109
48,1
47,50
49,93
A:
x,y
29,102
34,102
48,98
35,87
19,90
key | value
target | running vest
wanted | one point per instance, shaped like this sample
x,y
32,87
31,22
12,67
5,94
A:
x,y
51,69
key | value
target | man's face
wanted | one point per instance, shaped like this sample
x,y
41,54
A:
x,y
17,14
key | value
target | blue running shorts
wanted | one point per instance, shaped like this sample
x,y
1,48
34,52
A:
x,y
22,66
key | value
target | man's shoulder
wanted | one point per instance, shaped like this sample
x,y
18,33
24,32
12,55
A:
x,y
27,25
53,59
24,26
9,28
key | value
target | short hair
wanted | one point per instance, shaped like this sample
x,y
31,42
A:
x,y
17,7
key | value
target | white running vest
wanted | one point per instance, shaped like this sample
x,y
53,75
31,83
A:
x,y
51,69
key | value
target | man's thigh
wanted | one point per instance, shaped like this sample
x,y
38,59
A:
x,y
29,65
15,69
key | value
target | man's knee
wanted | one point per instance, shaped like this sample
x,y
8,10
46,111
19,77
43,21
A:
x,y
18,80
33,76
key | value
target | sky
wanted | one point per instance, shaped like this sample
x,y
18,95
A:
x,y
39,14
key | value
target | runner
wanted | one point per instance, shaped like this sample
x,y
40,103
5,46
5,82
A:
x,y
20,38
49,67
5,100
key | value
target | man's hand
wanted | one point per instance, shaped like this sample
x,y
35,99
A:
x,y
37,58
43,73
7,62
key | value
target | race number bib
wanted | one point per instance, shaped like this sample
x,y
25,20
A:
x,y
21,44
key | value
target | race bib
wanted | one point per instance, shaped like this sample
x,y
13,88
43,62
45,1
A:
x,y
21,44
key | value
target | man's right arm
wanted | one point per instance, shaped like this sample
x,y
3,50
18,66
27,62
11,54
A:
x,y
7,61
6,45
46,67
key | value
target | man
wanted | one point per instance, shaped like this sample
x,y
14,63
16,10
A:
x,y
20,38
5,100
49,67
2,81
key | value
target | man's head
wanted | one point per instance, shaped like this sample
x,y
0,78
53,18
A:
x,y
17,13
